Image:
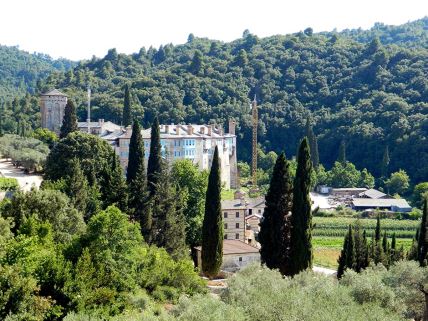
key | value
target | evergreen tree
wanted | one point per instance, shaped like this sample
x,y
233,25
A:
x,y
197,63
113,188
423,238
169,223
385,162
347,255
342,152
275,227
412,254
154,166
313,144
366,252
84,197
136,152
212,227
69,122
301,218
386,250
126,114
377,230
360,243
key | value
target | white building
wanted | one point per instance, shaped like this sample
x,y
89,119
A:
x,y
193,142
52,105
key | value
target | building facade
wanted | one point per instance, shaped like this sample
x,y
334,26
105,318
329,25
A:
x,y
193,142
52,105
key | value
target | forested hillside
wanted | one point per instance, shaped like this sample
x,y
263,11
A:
x,y
20,70
355,88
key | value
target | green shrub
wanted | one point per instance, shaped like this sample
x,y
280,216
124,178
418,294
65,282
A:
x,y
8,184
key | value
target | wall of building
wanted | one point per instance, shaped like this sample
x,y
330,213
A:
x,y
234,224
52,111
234,262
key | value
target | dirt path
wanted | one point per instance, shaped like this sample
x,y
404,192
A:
x,y
25,181
322,270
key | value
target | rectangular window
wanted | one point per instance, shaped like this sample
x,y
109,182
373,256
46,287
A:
x,y
225,236
225,226
225,214
237,225
260,211
240,259
237,214
237,236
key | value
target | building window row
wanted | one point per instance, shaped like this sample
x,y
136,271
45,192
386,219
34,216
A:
x,y
189,152
236,236
189,142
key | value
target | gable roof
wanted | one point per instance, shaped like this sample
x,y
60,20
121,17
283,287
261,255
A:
x,y
54,92
372,193
381,202
235,247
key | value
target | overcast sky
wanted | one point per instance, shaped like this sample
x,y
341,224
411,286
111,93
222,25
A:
x,y
78,29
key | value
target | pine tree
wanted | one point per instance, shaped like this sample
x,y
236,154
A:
x,y
136,152
126,114
385,162
342,152
154,166
169,222
113,187
275,228
423,237
301,218
212,227
69,122
85,198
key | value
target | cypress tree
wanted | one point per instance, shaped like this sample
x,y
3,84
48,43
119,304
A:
x,y
423,237
412,254
126,114
386,250
377,231
366,252
342,152
385,162
113,187
347,254
154,166
313,144
301,218
274,235
212,226
136,152
360,243
69,122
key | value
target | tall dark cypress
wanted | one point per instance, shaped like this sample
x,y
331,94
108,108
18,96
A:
x,y
301,218
341,158
350,250
154,166
69,122
136,152
377,231
275,227
212,227
385,162
342,257
423,238
126,114
313,143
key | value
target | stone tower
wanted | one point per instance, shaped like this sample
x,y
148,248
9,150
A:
x,y
52,105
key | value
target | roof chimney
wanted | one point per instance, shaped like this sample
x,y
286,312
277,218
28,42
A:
x,y
189,129
210,130
177,130
232,126
167,129
202,130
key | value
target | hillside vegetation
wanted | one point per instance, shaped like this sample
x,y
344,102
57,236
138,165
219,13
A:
x,y
355,88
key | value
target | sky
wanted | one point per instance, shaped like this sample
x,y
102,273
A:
x,y
79,29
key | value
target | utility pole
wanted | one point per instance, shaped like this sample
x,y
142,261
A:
x,y
254,151
89,110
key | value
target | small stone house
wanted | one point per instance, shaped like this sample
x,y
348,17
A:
x,y
236,255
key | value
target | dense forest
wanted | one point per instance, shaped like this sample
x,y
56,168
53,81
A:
x,y
366,88
21,72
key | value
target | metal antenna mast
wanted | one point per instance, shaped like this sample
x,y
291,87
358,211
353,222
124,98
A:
x,y
254,155
89,110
